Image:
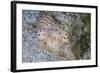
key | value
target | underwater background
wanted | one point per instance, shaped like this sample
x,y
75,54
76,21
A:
x,y
76,25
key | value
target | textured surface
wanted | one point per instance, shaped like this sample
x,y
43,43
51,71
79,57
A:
x,y
47,36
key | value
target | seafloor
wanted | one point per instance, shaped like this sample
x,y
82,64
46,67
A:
x,y
76,24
